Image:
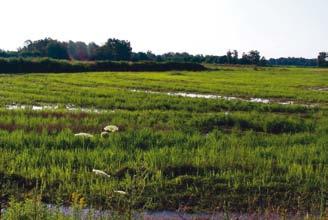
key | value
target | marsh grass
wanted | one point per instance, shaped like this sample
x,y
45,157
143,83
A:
x,y
171,153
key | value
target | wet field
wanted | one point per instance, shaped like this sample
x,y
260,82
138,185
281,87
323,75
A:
x,y
231,142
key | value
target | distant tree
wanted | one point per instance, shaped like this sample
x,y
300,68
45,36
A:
x,y
244,59
77,50
3,53
27,43
322,59
140,56
178,57
114,49
253,57
151,55
39,46
292,61
57,50
6,54
210,59
198,59
92,50
229,57
44,48
262,62
222,59
235,57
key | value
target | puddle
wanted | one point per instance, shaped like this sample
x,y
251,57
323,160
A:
x,y
73,108
55,107
166,215
31,107
88,110
259,100
208,96
171,215
320,89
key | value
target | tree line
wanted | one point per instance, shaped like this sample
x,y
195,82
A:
x,y
323,59
121,50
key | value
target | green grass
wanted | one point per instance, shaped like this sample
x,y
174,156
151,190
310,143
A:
x,y
170,152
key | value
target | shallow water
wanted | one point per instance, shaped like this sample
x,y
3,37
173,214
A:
x,y
171,215
54,107
71,107
86,213
321,89
211,96
32,107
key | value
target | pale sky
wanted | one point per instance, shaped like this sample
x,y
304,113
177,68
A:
x,y
277,28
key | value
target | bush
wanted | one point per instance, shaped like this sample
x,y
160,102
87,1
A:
x,y
46,65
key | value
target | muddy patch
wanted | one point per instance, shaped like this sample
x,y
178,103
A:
x,y
14,179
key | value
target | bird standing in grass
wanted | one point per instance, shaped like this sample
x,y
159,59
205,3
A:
x,y
86,135
100,172
111,128
120,192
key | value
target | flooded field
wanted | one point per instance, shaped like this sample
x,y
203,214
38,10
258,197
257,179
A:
x,y
238,142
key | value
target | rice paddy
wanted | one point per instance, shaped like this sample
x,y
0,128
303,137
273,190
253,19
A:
x,y
168,152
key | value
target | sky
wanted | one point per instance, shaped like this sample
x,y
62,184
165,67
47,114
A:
x,y
277,28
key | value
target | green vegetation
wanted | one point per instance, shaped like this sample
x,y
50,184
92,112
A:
x,y
170,152
41,65
323,59
121,50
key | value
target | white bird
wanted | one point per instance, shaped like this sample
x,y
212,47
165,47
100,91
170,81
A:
x,y
120,192
84,135
100,172
111,128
